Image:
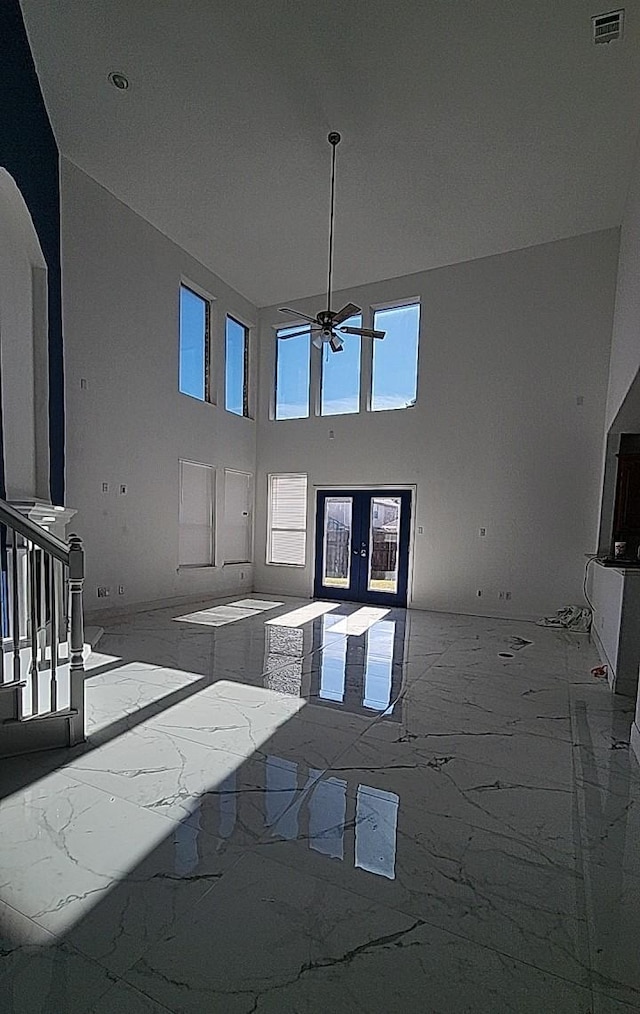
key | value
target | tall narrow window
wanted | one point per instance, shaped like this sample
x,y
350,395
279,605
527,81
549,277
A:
x,y
236,387
195,313
238,497
292,373
341,374
196,515
395,359
287,534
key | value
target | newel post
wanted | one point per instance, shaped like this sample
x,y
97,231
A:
x,y
76,639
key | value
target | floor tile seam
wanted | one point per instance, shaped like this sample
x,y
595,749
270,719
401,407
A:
x,y
171,929
257,752
493,733
509,779
174,821
485,892
109,794
120,981
400,910
132,678
147,808
562,865
55,938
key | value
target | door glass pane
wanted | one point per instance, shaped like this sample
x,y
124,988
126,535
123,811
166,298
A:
x,y
384,539
336,560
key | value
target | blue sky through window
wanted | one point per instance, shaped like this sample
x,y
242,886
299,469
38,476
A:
x,y
236,336
395,359
193,343
341,374
292,374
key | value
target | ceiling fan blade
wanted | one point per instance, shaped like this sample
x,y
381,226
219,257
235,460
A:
x,y
296,334
366,332
317,342
347,311
336,343
296,313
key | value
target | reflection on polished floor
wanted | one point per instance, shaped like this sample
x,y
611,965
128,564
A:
x,y
310,807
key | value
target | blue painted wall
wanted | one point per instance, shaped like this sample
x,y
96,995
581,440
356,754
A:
x,y
28,151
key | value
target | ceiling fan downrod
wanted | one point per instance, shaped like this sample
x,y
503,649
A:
x,y
334,140
329,326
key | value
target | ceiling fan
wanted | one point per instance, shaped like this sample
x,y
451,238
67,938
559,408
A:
x,y
325,326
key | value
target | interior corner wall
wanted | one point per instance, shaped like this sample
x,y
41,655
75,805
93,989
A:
x,y
28,151
625,343
506,433
127,424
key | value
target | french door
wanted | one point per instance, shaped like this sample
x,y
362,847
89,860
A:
x,y
362,545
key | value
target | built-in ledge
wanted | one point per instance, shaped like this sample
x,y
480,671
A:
x,y
615,594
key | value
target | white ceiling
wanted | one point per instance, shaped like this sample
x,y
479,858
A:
x,y
468,128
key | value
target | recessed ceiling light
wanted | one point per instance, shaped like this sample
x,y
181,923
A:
x,y
118,80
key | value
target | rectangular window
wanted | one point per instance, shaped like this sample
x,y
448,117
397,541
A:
x,y
196,515
287,534
236,388
341,374
395,359
292,373
238,498
195,314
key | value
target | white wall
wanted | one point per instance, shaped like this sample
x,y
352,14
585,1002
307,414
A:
x,y
497,439
130,425
625,343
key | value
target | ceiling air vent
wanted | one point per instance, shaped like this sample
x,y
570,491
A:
x,y
607,27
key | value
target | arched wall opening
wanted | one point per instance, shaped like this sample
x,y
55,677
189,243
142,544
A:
x,y
24,356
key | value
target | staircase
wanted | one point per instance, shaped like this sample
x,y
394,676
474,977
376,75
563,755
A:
x,y
41,618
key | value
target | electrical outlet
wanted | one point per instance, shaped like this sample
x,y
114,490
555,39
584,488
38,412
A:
x,y
105,487
120,589
479,593
83,383
123,489
103,592
507,595
504,595
482,532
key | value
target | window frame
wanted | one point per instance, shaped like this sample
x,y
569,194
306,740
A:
x,y
246,363
396,304
208,301
305,329
270,528
358,394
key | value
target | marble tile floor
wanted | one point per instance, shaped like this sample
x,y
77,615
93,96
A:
x,y
437,815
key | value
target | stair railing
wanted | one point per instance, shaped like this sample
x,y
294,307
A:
x,y
41,589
